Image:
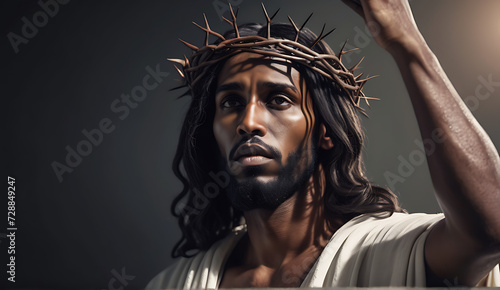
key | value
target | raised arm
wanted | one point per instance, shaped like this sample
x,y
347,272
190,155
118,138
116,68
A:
x,y
465,167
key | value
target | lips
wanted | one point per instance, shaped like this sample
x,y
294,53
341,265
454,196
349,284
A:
x,y
250,150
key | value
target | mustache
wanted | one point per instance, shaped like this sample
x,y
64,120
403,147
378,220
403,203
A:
x,y
276,154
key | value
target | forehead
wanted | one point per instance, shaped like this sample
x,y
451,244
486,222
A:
x,y
245,67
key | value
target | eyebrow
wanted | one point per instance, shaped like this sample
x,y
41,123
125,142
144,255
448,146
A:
x,y
229,87
235,86
277,86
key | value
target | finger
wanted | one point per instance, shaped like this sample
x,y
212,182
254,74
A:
x,y
355,6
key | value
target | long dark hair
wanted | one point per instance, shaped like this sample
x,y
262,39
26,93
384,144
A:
x,y
205,214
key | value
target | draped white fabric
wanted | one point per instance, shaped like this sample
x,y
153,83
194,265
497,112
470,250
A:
x,y
369,250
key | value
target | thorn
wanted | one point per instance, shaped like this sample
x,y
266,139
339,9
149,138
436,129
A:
x,y
227,20
193,47
319,37
209,31
351,50
323,37
304,24
208,28
328,33
366,100
235,26
293,23
356,66
367,79
206,21
179,71
268,20
178,87
297,31
265,12
272,17
186,60
179,61
361,85
204,29
322,30
358,98
186,93
341,52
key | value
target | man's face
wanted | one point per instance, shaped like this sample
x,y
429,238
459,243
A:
x,y
263,126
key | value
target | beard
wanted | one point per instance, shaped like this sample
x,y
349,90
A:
x,y
251,193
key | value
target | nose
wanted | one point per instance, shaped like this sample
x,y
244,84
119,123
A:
x,y
253,120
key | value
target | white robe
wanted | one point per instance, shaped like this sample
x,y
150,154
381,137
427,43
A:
x,y
366,251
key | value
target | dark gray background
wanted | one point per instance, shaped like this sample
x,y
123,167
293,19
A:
x,y
112,211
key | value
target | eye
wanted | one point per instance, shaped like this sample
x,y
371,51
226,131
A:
x,y
230,102
279,101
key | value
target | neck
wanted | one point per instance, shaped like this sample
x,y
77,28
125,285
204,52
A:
x,y
298,226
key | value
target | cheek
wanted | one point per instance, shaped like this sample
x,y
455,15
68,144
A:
x,y
222,133
293,130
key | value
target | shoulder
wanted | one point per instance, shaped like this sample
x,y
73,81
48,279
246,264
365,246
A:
x,y
200,269
391,248
396,230
395,222
375,250
373,222
383,226
385,217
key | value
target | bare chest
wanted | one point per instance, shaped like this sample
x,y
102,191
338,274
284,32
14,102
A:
x,y
289,275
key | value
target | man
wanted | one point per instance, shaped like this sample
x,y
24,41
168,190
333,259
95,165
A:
x,y
272,137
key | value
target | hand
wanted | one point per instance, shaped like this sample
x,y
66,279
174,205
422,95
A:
x,y
390,21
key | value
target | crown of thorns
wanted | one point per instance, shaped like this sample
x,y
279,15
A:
x,y
327,65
